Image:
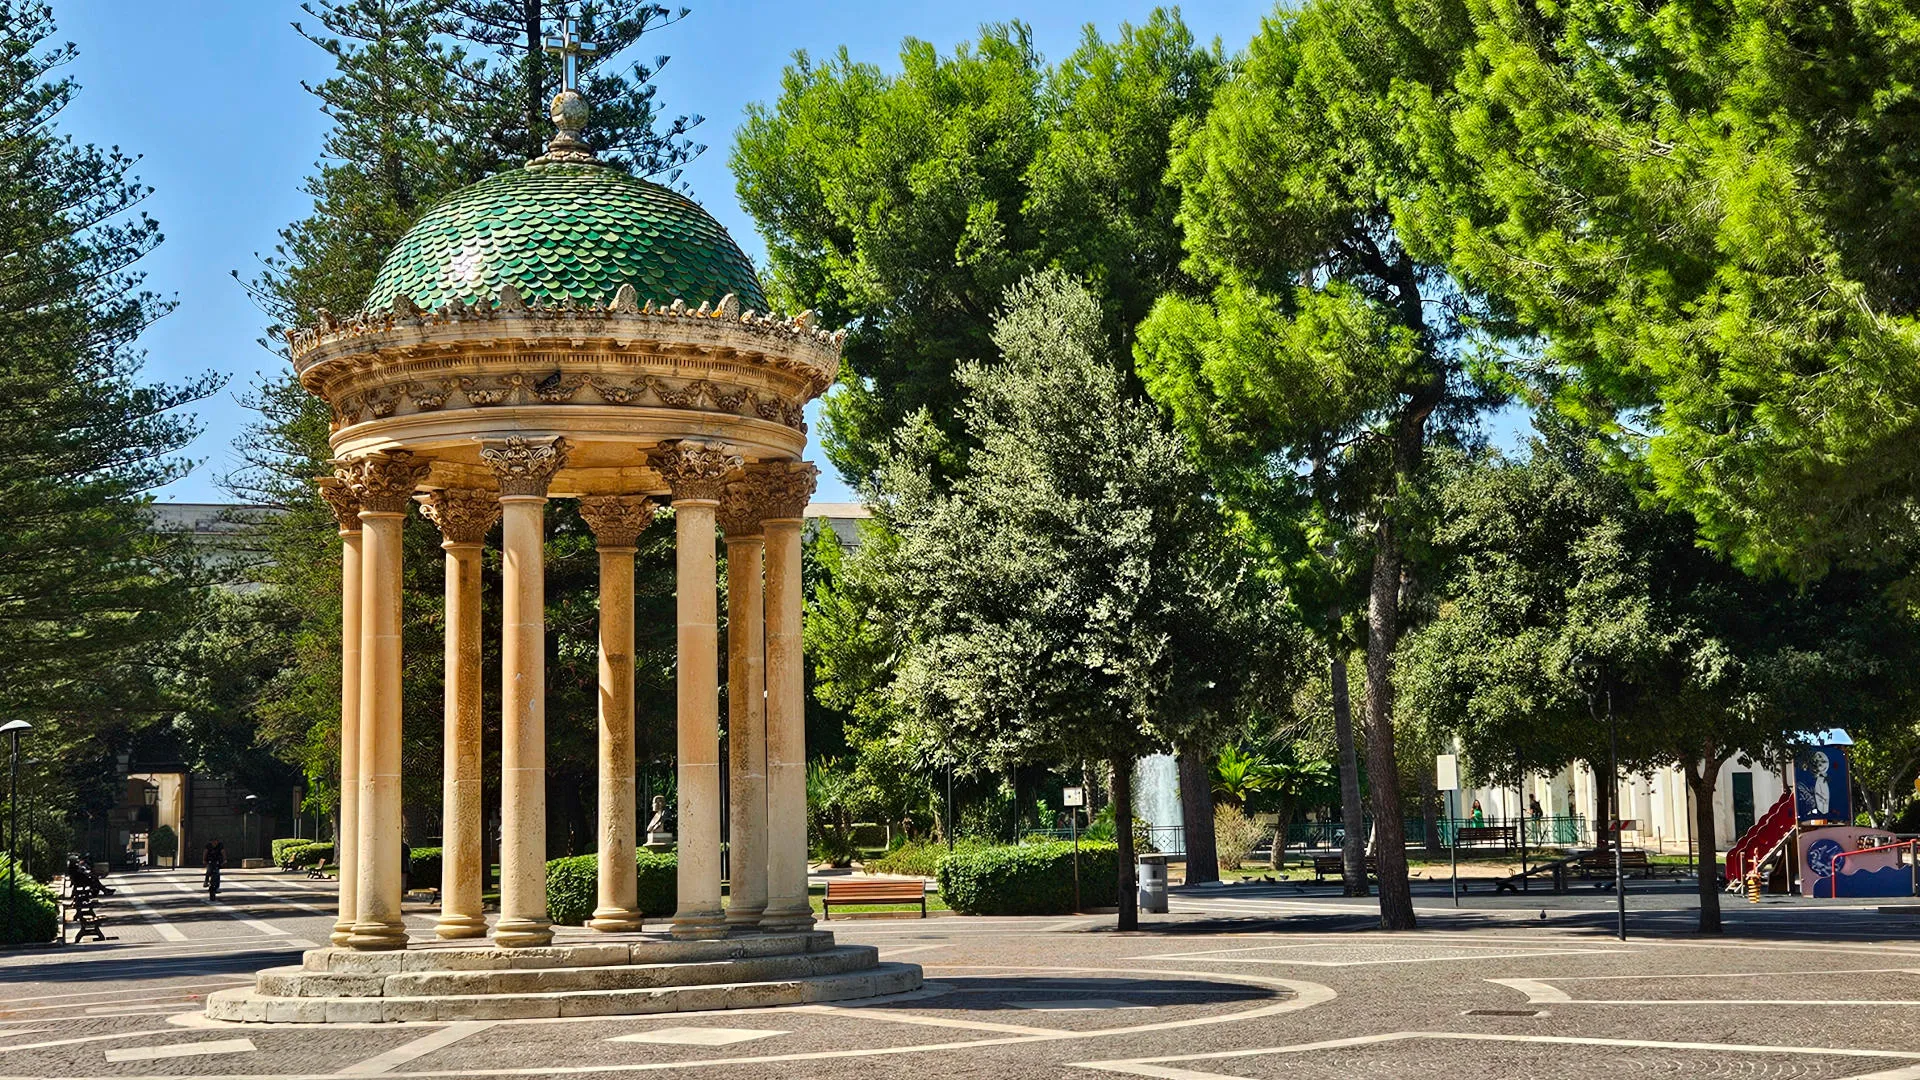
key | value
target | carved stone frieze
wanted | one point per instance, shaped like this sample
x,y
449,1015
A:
x,y
465,515
525,466
555,388
695,471
787,487
340,499
617,520
384,482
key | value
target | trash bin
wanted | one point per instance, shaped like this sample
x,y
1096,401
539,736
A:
x,y
1152,875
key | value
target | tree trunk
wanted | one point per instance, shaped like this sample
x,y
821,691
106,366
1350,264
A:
x,y
1353,847
536,101
1123,835
1389,830
1701,782
1278,859
1196,812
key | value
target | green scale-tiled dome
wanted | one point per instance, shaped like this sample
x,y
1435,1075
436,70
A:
x,y
560,231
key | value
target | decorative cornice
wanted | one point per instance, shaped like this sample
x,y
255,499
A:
x,y
525,467
793,344
617,520
788,486
524,388
465,515
742,504
383,482
339,496
695,471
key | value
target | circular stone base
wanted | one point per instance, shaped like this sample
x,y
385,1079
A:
x,y
627,974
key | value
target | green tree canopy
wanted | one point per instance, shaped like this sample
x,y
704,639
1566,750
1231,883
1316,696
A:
x,y
1564,597
1331,349
1072,597
904,205
1705,209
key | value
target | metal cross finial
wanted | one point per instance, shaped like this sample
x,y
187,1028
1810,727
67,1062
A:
x,y
570,48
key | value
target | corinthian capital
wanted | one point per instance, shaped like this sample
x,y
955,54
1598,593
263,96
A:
x,y
788,485
743,502
346,508
463,514
617,520
525,467
695,471
384,482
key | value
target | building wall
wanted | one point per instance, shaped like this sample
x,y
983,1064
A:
x,y
1658,801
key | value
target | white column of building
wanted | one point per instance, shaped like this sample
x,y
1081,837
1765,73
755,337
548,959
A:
x,y
696,473
384,484
346,511
788,487
740,509
464,515
617,522
523,468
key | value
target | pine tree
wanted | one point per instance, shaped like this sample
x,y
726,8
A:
x,y
88,587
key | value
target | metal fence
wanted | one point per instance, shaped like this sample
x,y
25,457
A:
x,y
1560,831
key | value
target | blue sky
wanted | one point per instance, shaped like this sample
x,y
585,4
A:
x,y
209,94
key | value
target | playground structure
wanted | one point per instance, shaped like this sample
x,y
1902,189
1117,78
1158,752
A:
x,y
1806,842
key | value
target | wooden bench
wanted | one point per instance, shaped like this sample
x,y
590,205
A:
x,y
874,892
1632,863
1500,836
1337,866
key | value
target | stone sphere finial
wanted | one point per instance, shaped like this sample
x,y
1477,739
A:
x,y
569,112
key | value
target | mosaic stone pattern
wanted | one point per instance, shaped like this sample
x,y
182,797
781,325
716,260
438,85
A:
x,y
559,232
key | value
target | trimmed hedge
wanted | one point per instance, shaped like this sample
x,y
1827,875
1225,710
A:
x,y
921,859
34,914
424,872
573,886
299,853
279,849
1029,879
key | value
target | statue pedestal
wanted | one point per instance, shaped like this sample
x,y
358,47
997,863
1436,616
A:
x,y
659,843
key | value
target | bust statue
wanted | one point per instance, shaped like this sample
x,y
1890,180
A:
x,y
659,826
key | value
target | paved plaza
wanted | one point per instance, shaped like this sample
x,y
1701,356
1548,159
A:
x,y
1251,982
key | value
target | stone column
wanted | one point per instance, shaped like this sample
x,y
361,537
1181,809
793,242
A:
x,y
524,468
696,473
788,487
617,522
464,515
384,483
346,511
740,507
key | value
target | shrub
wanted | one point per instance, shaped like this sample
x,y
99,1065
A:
x,y
34,914
301,854
163,844
1235,835
919,858
573,886
424,872
285,852
1029,879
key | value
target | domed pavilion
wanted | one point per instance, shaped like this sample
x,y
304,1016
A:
x,y
565,330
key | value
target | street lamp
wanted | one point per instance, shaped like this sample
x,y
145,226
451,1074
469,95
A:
x,y
245,819
15,728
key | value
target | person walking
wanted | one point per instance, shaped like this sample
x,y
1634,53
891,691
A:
x,y
215,859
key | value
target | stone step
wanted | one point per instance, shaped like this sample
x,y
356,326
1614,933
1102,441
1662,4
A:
x,y
246,1005
296,982
651,949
